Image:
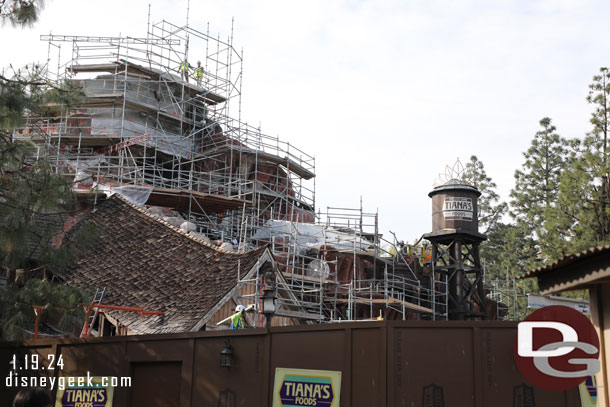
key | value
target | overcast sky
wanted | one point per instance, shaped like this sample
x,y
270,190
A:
x,y
384,94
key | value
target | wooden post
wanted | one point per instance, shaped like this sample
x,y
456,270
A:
x,y
600,321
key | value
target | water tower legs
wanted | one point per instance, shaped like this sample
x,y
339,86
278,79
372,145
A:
x,y
456,255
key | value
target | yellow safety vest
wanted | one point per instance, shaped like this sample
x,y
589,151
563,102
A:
x,y
199,72
184,67
236,321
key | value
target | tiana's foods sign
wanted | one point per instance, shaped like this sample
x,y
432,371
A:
x,y
299,387
97,394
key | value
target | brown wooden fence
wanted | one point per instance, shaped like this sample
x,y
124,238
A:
x,y
393,363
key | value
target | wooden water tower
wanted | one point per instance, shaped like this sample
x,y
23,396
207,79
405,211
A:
x,y
455,242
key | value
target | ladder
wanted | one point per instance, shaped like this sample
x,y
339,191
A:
x,y
97,299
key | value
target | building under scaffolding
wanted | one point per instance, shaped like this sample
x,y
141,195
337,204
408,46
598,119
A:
x,y
338,270
141,128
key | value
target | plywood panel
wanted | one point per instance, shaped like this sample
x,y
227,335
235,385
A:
x,y
368,385
155,384
433,365
100,359
243,381
501,380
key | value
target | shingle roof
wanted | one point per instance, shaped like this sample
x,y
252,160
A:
x,y
144,262
566,260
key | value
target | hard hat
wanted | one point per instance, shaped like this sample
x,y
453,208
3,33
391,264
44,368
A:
x,y
198,62
239,308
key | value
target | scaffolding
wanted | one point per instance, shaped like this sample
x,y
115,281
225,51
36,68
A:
x,y
510,300
139,127
137,123
337,270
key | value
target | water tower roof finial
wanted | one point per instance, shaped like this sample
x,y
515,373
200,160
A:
x,y
452,175
453,178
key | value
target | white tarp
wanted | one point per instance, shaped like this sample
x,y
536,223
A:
x,y
136,194
307,235
83,180
142,134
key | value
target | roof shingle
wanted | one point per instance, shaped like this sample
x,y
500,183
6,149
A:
x,y
145,262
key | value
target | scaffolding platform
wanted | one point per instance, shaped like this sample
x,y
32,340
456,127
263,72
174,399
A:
x,y
286,162
184,200
124,67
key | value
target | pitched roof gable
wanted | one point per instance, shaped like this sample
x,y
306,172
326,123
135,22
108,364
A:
x,y
145,262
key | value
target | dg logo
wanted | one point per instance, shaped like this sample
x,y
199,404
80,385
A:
x,y
556,348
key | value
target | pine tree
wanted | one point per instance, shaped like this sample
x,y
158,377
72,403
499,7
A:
x,y
596,145
61,302
491,209
20,12
537,183
490,212
581,218
34,201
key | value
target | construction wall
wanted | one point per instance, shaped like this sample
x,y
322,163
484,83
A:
x,y
406,363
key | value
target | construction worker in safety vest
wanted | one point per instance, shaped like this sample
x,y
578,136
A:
x,y
237,320
426,255
184,70
199,73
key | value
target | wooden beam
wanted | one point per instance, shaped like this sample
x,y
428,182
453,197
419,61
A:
x,y
381,301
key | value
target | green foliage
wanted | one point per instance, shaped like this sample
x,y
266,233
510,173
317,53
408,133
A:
x,y
491,209
536,187
19,94
34,205
508,251
17,307
581,218
497,254
20,13
561,198
35,201
67,94
28,92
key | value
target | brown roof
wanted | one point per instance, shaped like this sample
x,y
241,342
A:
x,y
144,262
567,260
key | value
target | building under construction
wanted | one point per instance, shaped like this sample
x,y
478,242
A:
x,y
141,127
